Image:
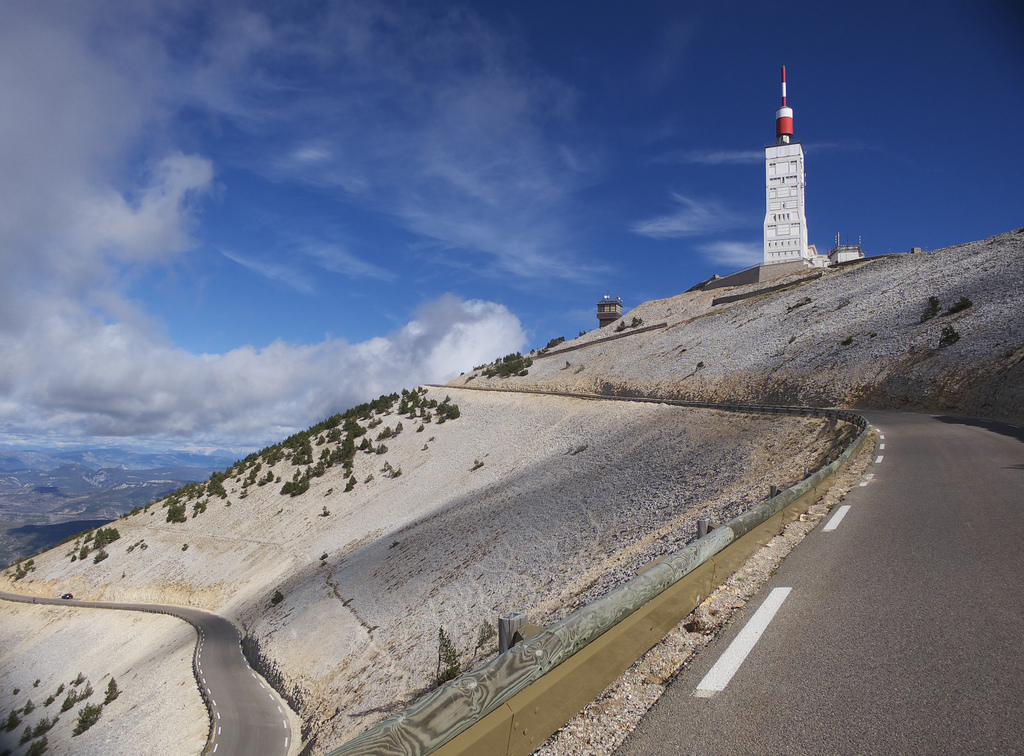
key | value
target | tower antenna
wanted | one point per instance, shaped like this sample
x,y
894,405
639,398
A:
x,y
784,117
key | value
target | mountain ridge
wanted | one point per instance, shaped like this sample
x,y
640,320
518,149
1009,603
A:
x,y
857,336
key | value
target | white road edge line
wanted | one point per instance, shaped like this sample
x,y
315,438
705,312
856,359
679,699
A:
x,y
880,458
837,518
729,662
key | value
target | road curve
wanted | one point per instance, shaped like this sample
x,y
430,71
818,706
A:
x,y
247,717
899,620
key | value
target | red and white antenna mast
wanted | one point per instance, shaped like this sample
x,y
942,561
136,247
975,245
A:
x,y
783,117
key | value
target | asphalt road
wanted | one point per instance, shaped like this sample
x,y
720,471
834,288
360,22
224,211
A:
x,y
247,717
903,631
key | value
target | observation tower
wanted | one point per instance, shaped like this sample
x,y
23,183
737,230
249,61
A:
x,y
785,220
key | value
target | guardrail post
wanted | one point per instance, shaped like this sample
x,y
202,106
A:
x,y
773,491
507,627
702,528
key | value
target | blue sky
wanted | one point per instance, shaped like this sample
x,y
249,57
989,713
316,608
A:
x,y
222,222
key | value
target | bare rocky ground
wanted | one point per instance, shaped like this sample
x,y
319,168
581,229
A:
x,y
538,503
607,721
853,337
149,656
571,497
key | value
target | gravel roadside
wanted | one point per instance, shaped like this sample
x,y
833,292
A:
x,y
601,727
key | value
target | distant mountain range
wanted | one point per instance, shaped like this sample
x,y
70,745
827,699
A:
x,y
47,495
106,457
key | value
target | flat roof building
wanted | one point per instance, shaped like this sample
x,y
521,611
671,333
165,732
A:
x,y
608,311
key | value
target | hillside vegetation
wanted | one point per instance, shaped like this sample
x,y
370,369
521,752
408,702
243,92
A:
x,y
346,549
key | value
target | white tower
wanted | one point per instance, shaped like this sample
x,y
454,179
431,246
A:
x,y
785,224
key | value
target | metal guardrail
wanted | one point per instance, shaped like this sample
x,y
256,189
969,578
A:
x,y
475,698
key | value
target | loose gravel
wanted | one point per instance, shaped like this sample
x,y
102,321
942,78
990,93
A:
x,y
602,726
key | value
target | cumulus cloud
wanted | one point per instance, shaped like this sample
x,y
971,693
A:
x,y
691,218
153,225
84,377
96,190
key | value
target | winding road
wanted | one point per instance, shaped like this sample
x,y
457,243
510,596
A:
x,y
895,627
247,717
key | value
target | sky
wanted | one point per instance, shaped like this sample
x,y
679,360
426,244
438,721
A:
x,y
223,222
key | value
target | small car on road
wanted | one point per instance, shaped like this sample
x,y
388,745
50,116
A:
x,y
67,596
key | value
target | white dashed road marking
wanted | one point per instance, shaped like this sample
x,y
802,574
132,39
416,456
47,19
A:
x,y
729,662
881,446
880,458
837,518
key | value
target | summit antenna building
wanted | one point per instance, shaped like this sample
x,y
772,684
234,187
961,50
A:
x,y
785,220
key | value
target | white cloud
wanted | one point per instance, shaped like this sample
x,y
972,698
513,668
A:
x,y
337,260
274,271
712,157
328,256
432,120
96,189
692,218
733,254
80,376
152,226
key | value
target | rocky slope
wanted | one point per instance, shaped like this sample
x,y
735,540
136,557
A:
x,y
853,337
522,503
44,649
